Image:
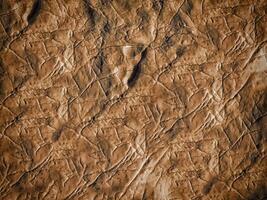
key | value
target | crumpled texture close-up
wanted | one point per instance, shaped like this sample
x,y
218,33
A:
x,y
133,99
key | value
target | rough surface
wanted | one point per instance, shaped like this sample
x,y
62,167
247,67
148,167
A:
x,y
133,99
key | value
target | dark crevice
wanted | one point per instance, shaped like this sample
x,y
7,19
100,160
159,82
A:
x,y
35,11
56,135
188,6
180,51
177,22
136,70
207,188
106,28
100,62
157,5
92,14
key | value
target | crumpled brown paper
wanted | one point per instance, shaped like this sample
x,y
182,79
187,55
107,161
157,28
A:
x,y
131,99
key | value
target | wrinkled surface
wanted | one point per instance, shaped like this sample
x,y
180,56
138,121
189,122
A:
x,y
133,99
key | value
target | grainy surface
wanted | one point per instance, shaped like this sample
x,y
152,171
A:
x,y
133,99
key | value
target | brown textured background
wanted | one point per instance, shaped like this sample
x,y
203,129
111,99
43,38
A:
x,y
133,99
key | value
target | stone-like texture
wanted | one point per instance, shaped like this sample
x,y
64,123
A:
x,y
133,99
